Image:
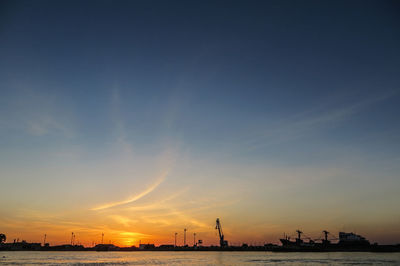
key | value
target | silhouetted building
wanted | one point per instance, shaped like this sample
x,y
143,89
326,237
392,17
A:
x,y
106,247
166,247
146,246
23,245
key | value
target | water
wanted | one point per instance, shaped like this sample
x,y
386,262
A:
x,y
195,258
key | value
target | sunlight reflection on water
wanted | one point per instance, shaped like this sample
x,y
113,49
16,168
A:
x,y
196,258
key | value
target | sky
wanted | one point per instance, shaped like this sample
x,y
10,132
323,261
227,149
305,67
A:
x,y
138,119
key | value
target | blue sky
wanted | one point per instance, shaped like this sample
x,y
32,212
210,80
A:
x,y
278,101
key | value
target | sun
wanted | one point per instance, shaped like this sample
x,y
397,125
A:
x,y
129,242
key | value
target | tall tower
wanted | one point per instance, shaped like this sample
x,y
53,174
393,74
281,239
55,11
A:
x,y
175,239
184,237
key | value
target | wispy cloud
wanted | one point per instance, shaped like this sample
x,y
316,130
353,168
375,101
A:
x,y
309,121
119,123
158,205
125,221
35,113
136,197
44,124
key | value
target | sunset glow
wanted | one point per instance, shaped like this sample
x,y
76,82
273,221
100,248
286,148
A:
x,y
126,122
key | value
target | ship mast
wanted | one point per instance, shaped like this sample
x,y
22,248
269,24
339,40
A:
x,y
299,234
326,234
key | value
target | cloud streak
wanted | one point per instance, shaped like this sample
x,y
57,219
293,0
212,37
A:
x,y
136,197
303,123
30,111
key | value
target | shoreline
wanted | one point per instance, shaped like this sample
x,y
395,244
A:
x,y
386,249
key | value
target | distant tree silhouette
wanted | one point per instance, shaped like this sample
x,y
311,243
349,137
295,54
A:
x,y
3,238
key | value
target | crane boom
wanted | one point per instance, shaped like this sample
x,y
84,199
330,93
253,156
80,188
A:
x,y
222,242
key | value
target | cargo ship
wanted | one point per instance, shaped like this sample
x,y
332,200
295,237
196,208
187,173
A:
x,y
345,242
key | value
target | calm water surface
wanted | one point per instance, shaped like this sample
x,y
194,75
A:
x,y
196,258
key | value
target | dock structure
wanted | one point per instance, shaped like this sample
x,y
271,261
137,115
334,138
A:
x,y
346,242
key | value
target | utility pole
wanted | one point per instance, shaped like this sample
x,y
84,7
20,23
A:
x,y
72,238
184,237
175,239
44,241
194,239
102,238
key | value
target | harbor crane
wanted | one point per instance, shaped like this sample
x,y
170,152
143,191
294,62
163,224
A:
x,y
222,242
